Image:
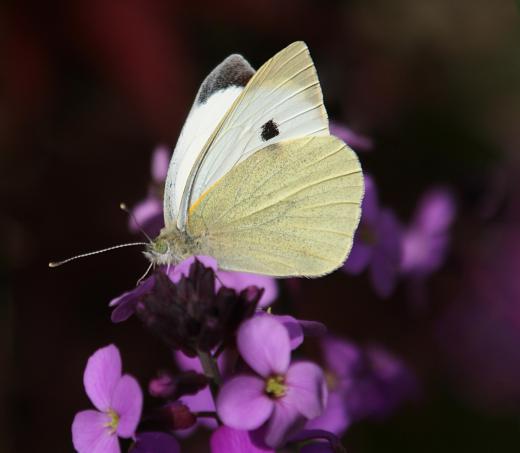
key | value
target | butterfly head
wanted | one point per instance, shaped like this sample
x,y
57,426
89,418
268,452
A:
x,y
170,247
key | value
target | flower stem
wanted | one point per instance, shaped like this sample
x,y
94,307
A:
x,y
210,368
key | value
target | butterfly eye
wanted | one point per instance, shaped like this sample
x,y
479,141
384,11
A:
x,y
161,246
269,130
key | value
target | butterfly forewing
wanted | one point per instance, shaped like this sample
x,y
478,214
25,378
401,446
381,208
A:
x,y
283,100
214,98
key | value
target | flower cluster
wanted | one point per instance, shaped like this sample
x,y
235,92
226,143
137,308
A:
x,y
241,371
390,250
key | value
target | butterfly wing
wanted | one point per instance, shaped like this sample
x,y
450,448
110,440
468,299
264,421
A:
x,y
215,97
283,100
290,209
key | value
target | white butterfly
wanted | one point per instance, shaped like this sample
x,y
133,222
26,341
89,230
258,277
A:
x,y
256,180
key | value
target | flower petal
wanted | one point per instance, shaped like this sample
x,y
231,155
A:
x,y
127,401
359,257
306,389
229,440
341,357
160,163
386,260
312,328
183,268
242,403
351,138
240,281
335,417
126,303
89,434
370,204
148,215
264,344
285,421
294,329
102,373
155,442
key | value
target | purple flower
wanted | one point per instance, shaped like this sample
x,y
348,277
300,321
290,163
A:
x,y
229,440
351,138
118,400
340,358
298,328
155,442
149,212
361,383
377,244
202,401
281,395
426,239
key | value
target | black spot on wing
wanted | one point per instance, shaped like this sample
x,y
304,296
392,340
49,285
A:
x,y
269,130
233,71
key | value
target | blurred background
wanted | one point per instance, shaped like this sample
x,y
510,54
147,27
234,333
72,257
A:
x,y
90,88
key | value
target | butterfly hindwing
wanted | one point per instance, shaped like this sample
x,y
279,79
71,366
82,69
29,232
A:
x,y
289,209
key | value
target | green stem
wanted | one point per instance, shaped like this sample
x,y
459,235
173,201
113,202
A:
x,y
210,368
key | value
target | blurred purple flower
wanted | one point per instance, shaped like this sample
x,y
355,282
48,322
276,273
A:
x,y
353,139
229,440
118,400
149,212
426,239
377,244
361,383
382,383
155,442
281,395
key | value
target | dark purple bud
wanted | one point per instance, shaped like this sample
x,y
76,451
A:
x,y
175,416
170,386
190,315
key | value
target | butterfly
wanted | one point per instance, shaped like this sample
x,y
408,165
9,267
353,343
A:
x,y
256,180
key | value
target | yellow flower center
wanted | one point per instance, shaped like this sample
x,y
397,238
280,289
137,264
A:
x,y
114,421
275,387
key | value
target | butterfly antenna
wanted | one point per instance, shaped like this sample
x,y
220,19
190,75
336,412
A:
x,y
132,216
83,255
144,275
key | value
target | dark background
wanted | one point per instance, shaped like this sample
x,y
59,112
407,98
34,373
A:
x,y
90,87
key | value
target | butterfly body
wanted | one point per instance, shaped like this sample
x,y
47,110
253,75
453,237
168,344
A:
x,y
172,246
256,180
